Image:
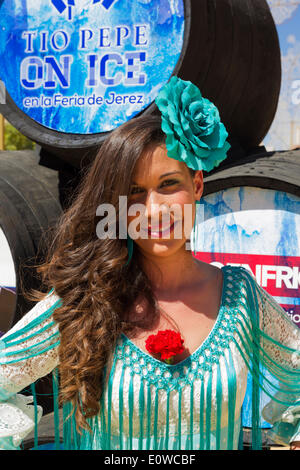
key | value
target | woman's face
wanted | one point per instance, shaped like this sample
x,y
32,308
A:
x,y
167,193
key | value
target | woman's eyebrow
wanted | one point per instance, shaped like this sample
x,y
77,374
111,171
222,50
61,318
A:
x,y
165,174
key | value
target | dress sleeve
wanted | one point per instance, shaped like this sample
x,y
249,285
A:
x,y
28,351
276,347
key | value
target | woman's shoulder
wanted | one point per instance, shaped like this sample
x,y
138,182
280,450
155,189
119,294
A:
x,y
238,272
232,274
240,281
44,308
39,315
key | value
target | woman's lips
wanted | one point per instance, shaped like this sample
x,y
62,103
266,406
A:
x,y
154,233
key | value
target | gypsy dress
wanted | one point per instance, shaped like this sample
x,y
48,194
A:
x,y
195,404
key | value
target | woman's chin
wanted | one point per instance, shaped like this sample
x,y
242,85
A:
x,y
160,247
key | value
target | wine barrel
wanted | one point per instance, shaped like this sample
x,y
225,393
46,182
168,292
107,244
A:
x,y
228,48
29,208
270,170
46,433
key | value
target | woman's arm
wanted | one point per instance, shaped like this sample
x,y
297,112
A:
x,y
27,352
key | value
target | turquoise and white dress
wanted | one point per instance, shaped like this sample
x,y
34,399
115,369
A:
x,y
147,404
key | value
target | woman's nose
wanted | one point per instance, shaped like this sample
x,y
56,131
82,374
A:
x,y
155,207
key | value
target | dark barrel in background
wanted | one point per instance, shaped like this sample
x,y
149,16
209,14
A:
x,y
29,207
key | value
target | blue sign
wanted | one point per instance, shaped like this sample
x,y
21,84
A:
x,y
88,66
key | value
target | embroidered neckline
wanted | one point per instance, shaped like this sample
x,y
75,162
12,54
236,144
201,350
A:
x,y
204,345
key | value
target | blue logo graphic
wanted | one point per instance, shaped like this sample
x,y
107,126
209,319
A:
x,y
105,3
92,76
61,5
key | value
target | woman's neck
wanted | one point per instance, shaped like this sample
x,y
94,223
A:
x,y
174,272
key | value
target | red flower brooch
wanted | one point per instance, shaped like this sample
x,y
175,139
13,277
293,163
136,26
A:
x,y
167,343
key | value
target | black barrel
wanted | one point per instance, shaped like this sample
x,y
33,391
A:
x,y
233,55
270,170
29,209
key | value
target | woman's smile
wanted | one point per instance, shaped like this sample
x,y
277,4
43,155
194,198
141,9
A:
x,y
159,231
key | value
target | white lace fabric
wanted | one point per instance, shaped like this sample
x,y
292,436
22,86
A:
x,y
18,370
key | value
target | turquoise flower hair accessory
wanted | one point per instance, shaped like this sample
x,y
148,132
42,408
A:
x,y
194,131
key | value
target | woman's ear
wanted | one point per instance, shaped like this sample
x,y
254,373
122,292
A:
x,y
198,184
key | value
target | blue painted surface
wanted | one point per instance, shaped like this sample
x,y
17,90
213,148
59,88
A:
x,y
87,67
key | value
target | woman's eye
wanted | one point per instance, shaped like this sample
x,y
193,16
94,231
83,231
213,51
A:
x,y
164,183
170,182
135,190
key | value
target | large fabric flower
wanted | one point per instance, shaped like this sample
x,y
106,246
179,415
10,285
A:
x,y
167,343
194,131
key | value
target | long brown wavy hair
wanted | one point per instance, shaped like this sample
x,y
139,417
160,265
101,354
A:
x,y
90,274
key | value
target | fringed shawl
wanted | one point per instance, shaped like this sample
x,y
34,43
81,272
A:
x,y
147,404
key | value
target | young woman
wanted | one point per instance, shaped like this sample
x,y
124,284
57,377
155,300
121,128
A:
x,y
107,296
